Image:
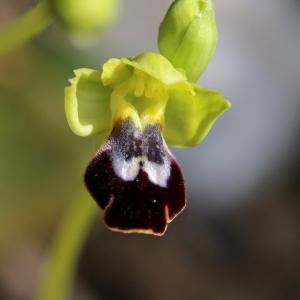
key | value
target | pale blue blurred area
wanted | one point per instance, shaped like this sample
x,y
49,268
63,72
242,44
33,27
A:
x,y
257,67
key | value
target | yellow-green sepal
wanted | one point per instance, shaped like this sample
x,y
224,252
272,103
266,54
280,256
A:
x,y
158,67
188,36
152,64
114,72
188,118
87,104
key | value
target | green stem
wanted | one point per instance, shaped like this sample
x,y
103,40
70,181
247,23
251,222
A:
x,y
24,27
59,271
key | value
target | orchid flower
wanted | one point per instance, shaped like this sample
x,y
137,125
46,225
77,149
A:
x,y
135,107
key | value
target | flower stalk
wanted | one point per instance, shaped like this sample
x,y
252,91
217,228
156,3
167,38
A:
x,y
24,27
77,17
58,272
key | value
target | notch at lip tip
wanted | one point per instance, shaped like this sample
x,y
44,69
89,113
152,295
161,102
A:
x,y
148,200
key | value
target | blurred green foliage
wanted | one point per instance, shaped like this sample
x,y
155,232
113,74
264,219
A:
x,y
41,161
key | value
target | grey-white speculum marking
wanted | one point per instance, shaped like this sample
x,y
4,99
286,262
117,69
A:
x,y
136,180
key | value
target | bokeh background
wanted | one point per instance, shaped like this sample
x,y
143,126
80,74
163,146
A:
x,y
239,237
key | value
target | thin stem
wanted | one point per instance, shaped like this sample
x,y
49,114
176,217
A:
x,y
59,271
24,27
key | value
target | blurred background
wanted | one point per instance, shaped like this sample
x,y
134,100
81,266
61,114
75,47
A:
x,y
239,237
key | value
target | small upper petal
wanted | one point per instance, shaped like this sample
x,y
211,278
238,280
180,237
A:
x,y
87,104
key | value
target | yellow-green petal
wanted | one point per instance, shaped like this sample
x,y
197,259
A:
x,y
188,118
158,67
87,104
114,72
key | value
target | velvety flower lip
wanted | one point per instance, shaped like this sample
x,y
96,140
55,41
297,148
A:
x,y
136,180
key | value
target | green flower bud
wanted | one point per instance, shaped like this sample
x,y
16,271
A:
x,y
84,16
188,36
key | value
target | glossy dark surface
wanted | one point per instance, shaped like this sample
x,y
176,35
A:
x,y
139,204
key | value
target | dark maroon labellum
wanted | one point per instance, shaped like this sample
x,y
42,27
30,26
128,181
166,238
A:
x,y
136,180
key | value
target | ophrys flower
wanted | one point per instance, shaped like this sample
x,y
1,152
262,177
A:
x,y
135,107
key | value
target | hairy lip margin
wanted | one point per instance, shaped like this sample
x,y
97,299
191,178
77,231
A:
x,y
136,180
